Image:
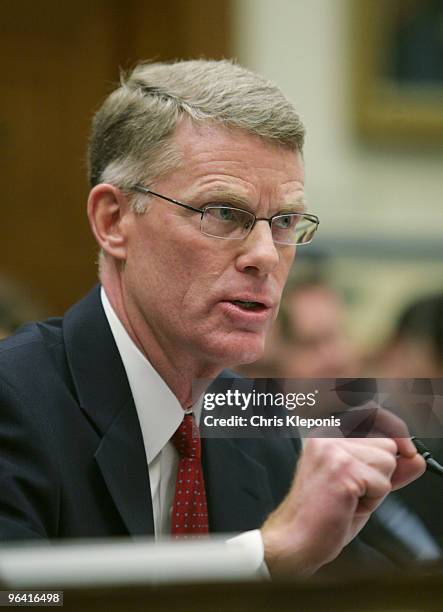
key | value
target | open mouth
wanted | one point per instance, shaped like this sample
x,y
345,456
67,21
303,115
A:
x,y
257,306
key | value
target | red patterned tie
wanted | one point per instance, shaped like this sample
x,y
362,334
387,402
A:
x,y
189,512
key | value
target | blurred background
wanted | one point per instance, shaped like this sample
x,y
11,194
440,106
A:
x,y
367,78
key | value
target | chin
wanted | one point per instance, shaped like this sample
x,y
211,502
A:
x,y
246,348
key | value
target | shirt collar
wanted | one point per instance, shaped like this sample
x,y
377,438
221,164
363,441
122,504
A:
x,y
159,411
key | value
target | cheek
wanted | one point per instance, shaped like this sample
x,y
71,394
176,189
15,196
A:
x,y
288,257
204,275
182,269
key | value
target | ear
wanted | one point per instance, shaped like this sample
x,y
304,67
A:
x,y
106,208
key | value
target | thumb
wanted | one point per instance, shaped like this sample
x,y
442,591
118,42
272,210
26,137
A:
x,y
408,469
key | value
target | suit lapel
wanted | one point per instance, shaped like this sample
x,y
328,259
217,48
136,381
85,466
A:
x,y
105,397
237,487
121,458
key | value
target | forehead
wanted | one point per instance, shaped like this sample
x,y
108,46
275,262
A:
x,y
220,159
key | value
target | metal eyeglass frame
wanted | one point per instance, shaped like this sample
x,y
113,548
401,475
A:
x,y
201,211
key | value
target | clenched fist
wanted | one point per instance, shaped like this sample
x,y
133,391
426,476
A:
x,y
339,482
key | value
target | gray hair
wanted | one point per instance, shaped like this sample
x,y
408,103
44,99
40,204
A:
x,y
131,133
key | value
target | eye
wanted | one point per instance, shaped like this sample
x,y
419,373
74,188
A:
x,y
286,221
225,214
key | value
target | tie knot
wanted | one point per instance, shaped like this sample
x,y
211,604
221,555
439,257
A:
x,y
187,438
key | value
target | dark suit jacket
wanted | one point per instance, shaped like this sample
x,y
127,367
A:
x,y
72,460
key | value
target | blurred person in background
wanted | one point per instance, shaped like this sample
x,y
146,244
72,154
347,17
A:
x,y
309,338
414,351
312,320
415,348
16,307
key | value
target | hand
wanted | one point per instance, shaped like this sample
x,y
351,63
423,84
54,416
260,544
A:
x,y
338,484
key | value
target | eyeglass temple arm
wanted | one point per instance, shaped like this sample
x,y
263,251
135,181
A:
x,y
142,189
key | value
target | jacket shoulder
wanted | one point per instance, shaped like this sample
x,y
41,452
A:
x,y
40,332
33,348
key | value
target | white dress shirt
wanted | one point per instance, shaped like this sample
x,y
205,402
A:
x,y
160,414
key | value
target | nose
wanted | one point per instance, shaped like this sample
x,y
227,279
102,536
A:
x,y
258,254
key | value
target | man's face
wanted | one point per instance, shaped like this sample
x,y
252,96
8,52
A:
x,y
320,348
182,286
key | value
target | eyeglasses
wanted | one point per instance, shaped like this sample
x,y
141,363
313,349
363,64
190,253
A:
x,y
229,223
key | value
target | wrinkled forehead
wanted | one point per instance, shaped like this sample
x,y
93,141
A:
x,y
235,165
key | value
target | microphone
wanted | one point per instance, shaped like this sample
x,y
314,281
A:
x,y
431,464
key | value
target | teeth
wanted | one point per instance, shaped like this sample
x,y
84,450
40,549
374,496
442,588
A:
x,y
249,305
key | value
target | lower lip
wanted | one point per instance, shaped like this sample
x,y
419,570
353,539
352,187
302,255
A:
x,y
243,316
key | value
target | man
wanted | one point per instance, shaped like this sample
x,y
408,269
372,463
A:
x,y
197,205
415,346
315,329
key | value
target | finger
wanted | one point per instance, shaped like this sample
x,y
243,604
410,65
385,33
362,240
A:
x,y
377,486
366,505
406,447
380,454
408,469
392,426
381,442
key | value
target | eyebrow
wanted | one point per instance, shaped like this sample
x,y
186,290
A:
x,y
298,204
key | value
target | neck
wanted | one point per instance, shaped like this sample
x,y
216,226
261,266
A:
x,y
177,367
